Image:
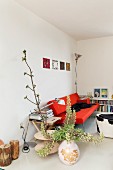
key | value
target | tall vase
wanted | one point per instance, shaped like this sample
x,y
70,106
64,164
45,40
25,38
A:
x,y
68,152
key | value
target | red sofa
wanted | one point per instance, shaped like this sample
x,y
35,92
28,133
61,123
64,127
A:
x,y
81,116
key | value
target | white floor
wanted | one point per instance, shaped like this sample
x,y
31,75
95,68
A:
x,y
92,157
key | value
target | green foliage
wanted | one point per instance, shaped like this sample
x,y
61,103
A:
x,y
44,131
46,149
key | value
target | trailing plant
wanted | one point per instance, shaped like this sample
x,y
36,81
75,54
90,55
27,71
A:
x,y
66,132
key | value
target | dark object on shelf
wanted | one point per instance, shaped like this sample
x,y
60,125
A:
x,y
5,155
14,149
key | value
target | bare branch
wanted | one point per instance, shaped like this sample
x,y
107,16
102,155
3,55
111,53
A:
x,y
29,100
29,87
28,74
32,82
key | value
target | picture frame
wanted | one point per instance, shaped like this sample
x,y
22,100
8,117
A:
x,y
62,65
55,64
97,92
67,66
104,92
46,63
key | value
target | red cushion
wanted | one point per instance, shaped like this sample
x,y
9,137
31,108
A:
x,y
58,108
74,98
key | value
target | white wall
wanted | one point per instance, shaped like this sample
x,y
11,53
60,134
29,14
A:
x,y
95,67
19,30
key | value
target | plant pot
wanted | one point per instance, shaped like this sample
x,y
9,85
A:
x,y
68,152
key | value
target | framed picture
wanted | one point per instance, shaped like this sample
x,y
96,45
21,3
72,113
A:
x,y
46,63
96,92
55,64
62,65
104,93
68,66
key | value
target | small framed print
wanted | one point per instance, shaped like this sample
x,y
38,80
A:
x,y
55,64
46,63
104,93
97,92
62,65
68,66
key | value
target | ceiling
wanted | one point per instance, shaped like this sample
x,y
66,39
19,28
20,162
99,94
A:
x,y
81,19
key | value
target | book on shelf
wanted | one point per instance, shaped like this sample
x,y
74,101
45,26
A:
x,y
108,108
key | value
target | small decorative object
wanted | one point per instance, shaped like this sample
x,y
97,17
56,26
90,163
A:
x,y
46,63
1,142
89,94
112,96
69,134
5,155
104,93
55,64
68,152
96,92
68,66
62,65
14,149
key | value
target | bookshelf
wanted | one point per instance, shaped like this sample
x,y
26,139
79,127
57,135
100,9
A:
x,y
106,104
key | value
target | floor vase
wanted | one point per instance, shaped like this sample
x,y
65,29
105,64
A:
x,y
68,152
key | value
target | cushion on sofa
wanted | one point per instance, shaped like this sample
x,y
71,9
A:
x,y
74,98
57,108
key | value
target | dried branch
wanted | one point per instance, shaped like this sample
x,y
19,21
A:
x,y
29,87
29,100
32,82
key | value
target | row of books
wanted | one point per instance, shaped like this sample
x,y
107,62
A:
x,y
105,108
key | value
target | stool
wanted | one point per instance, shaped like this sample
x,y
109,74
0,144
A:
x,y
105,124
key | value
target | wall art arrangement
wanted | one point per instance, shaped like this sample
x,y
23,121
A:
x,y
103,92
47,63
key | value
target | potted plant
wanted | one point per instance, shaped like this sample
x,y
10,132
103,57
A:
x,y
68,150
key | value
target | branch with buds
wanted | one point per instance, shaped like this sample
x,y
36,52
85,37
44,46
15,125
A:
x,y
30,74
